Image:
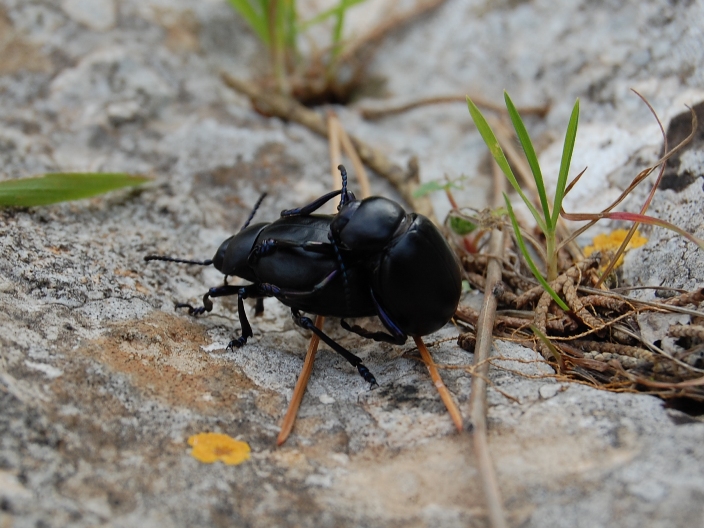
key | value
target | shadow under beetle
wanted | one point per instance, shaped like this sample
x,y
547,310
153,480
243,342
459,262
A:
x,y
370,259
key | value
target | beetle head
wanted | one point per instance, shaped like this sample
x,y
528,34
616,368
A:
x,y
367,225
231,257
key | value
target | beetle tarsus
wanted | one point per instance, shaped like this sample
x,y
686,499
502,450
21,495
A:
x,y
237,343
192,310
367,375
207,305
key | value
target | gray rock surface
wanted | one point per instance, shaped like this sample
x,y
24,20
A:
x,y
101,382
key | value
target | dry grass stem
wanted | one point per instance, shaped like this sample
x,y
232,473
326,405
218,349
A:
x,y
440,385
379,113
301,384
359,170
477,398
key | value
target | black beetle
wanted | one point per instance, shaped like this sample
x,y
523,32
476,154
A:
x,y
371,258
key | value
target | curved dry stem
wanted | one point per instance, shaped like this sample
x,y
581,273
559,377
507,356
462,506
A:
x,y
379,113
632,230
593,218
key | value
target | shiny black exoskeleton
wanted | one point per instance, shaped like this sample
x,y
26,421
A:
x,y
370,259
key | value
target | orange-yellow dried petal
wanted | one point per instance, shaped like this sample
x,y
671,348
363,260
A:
x,y
609,243
211,447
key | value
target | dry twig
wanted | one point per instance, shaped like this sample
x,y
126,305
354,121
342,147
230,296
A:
x,y
477,398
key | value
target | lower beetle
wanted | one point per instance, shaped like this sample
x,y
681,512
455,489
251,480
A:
x,y
370,259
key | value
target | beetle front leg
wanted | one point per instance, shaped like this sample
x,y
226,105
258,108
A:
x,y
305,322
311,207
242,292
317,204
219,291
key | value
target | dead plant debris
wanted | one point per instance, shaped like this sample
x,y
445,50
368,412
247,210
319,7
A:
x,y
598,339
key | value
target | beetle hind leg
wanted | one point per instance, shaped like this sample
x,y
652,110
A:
x,y
305,322
382,337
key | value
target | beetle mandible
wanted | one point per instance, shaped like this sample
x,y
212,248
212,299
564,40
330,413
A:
x,y
370,259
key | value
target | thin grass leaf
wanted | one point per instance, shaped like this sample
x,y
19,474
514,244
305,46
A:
x,y
570,138
429,187
337,27
529,260
291,27
532,158
256,19
62,187
324,15
552,348
496,151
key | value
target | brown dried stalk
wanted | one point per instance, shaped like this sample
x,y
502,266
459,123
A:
x,y
301,384
379,113
445,395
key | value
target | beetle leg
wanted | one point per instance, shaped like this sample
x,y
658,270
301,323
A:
x,y
305,322
219,291
268,246
317,204
397,339
395,335
273,291
242,292
311,207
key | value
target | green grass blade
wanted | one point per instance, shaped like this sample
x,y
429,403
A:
x,y
324,15
531,156
291,26
570,138
529,260
62,187
496,151
256,20
552,348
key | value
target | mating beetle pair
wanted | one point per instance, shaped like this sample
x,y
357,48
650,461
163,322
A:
x,y
370,259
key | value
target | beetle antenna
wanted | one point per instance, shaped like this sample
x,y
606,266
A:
x,y
344,196
182,261
254,210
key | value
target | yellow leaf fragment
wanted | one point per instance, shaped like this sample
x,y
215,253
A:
x,y
211,447
609,243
